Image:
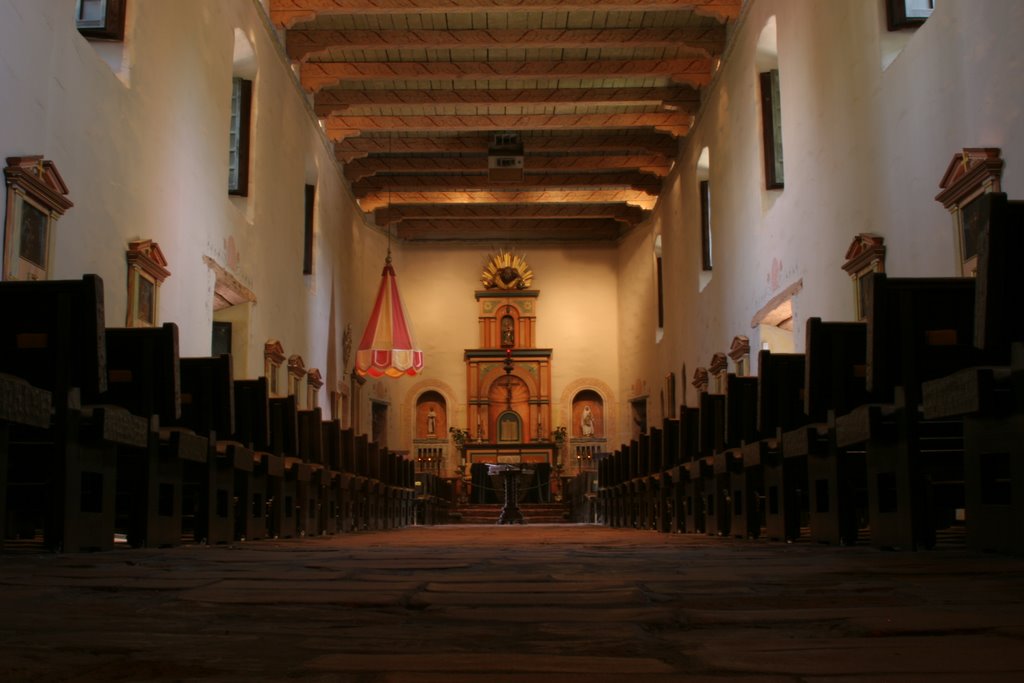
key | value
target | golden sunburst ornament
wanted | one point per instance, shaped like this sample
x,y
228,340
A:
x,y
506,270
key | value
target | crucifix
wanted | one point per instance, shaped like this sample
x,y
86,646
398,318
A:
x,y
508,379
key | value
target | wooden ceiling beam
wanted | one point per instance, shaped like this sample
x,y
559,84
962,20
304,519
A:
x,y
287,13
631,215
535,231
415,183
364,168
607,141
709,41
337,101
377,199
341,127
319,75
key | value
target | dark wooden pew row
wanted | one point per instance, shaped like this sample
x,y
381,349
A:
x,y
743,486
712,440
834,383
780,387
284,442
62,481
658,481
433,498
917,330
363,500
263,512
692,472
333,495
671,488
349,483
989,399
22,406
313,492
144,377
215,491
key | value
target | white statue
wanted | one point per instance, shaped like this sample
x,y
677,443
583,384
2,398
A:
x,y
587,422
431,421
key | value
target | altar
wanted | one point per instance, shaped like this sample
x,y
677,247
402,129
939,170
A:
x,y
539,458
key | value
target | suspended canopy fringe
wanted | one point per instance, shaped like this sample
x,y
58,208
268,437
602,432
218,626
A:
x,y
387,348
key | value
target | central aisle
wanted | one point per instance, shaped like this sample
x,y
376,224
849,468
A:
x,y
461,604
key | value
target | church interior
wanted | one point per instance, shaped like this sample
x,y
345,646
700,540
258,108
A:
x,y
379,276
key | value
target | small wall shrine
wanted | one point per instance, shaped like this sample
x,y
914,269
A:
x,y
508,378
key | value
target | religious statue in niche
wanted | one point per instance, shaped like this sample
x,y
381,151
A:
x,y
431,421
508,332
587,422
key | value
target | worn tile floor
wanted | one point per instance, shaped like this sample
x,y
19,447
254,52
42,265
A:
x,y
462,604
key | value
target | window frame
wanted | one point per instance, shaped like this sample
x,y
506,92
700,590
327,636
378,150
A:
x,y
241,111
308,228
705,225
111,27
771,126
899,15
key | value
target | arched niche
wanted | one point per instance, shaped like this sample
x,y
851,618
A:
x,y
431,416
510,427
588,417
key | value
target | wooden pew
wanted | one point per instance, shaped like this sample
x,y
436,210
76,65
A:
x,y
690,473
348,481
744,485
144,377
834,383
24,407
672,488
917,330
284,443
780,409
211,489
63,481
313,492
717,517
252,429
990,399
332,458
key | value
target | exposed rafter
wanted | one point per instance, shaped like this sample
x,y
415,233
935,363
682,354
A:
x,y
319,75
533,230
585,103
378,199
631,215
336,101
341,127
406,183
610,141
364,168
287,13
706,41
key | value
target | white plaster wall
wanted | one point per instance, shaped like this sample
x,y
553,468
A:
x,y
146,157
864,151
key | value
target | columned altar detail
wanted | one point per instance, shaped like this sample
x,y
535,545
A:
x,y
508,380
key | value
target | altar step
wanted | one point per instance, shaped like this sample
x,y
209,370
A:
x,y
533,513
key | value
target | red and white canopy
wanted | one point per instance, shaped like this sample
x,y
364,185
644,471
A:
x,y
387,348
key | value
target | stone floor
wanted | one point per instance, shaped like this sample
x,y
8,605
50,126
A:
x,y
463,604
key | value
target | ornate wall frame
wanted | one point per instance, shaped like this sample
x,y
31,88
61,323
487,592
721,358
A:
x,y
147,269
36,198
865,255
973,172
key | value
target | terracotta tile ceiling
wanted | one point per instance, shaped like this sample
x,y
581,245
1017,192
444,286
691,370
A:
x,y
419,97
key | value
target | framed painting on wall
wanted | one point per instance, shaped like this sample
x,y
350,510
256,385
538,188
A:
x,y
147,269
35,200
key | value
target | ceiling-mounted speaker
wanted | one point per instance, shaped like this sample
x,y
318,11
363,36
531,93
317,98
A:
x,y
505,158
